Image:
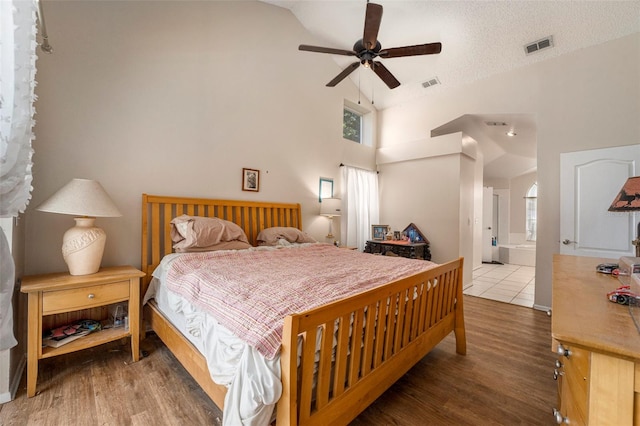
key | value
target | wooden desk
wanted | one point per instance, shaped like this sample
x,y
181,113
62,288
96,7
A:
x,y
598,346
53,294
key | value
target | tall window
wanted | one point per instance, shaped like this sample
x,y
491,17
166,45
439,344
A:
x,y
531,206
352,125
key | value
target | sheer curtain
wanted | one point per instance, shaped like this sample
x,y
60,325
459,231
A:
x,y
17,83
360,207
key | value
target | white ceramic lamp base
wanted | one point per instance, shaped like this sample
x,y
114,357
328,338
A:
x,y
83,246
330,234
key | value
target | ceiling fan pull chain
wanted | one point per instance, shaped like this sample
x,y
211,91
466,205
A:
x,y
359,73
373,95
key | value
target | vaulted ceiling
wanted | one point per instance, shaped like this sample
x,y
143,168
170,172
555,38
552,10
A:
x,y
479,39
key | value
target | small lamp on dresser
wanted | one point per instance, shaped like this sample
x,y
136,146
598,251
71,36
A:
x,y
628,200
330,207
82,245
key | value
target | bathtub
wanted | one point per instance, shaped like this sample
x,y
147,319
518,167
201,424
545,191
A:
x,y
517,254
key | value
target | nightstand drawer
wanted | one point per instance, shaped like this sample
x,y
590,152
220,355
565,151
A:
x,y
84,297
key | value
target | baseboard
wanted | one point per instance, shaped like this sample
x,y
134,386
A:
x,y
542,308
15,382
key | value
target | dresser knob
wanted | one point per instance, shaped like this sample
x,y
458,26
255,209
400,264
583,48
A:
x,y
558,364
91,296
559,418
563,351
557,374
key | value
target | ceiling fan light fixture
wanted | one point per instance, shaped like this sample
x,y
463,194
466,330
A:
x,y
511,133
368,48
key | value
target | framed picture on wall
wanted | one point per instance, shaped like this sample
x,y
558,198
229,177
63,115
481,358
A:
x,y
250,180
326,189
379,232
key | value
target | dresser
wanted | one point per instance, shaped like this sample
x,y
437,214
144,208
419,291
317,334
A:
x,y
399,248
598,347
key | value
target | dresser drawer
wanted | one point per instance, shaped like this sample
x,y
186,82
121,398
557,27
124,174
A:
x,y
576,384
84,297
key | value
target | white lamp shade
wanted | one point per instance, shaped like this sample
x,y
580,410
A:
x,y
81,197
82,245
330,207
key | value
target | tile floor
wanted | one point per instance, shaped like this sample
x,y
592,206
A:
x,y
505,283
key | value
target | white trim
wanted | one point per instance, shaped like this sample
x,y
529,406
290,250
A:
x,y
15,383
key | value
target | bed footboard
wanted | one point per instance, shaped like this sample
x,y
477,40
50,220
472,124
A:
x,y
354,349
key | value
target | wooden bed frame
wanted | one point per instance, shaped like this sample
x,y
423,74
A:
x,y
414,314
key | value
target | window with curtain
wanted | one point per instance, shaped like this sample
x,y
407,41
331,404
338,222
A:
x,y
531,207
360,207
17,83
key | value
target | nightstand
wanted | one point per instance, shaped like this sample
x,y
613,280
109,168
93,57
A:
x,y
80,297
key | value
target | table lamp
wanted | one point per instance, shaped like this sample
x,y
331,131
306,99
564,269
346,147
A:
x,y
82,245
330,207
628,200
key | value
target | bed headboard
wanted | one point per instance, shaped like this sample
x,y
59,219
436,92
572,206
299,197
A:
x,y
251,216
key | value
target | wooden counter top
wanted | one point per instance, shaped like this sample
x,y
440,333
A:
x,y
581,313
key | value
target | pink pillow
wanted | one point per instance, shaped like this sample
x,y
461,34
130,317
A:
x,y
196,233
270,236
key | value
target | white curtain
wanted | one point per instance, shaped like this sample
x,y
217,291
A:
x,y
17,83
360,208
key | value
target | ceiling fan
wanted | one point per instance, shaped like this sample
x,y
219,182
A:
x,y
368,48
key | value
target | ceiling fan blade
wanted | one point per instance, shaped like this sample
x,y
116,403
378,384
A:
x,y
319,49
343,74
372,21
420,49
385,75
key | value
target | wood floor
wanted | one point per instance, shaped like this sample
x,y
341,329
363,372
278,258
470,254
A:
x,y
505,379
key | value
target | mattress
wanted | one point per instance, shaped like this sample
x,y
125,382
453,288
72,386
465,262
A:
x,y
253,382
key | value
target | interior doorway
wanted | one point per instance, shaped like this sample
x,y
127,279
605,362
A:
x,y
495,228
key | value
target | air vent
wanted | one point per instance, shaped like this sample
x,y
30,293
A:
x,y
495,123
536,46
431,82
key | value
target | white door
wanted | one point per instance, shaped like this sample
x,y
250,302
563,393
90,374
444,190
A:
x,y
589,182
487,221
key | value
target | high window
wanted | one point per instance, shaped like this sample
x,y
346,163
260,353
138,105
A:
x,y
531,206
357,123
352,125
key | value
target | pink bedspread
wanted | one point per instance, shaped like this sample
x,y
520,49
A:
x,y
251,292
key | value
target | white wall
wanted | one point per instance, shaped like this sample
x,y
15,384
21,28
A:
x,y
583,100
175,98
478,216
468,209
436,192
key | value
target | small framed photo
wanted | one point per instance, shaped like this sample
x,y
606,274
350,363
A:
x,y
379,232
326,188
250,180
